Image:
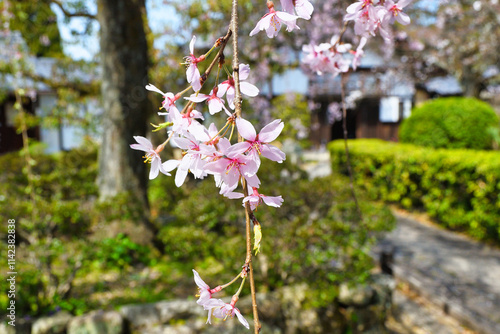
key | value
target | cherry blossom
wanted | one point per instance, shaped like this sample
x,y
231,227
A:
x,y
256,198
214,101
396,11
230,167
152,155
258,144
191,161
356,61
246,88
223,310
205,292
272,21
192,73
303,8
169,99
183,122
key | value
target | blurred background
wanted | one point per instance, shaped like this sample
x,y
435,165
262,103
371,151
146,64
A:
x,y
100,249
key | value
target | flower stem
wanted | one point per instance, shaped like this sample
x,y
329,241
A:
x,y
232,281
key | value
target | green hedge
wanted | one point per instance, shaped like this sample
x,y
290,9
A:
x,y
459,188
451,122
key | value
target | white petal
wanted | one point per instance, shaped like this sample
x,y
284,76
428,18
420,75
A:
x,y
144,142
197,98
242,319
191,44
170,165
180,176
199,281
153,88
248,89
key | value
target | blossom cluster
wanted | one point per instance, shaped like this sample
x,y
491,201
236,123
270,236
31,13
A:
x,y
207,150
272,21
217,307
370,17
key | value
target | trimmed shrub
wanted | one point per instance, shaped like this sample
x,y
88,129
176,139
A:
x,y
459,188
453,122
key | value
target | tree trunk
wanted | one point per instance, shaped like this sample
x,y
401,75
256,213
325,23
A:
x,y
124,57
472,83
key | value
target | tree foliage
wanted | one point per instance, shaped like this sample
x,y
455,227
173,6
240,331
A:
x,y
461,37
38,25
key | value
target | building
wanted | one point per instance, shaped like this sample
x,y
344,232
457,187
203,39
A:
x,y
39,99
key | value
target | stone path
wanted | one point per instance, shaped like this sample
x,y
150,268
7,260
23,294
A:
x,y
454,277
458,275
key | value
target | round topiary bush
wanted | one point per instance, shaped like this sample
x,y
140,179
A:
x,y
452,122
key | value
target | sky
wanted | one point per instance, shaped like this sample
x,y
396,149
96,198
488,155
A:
x,y
87,48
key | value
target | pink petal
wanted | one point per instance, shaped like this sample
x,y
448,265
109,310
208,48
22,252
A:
x,y
233,195
273,153
244,71
274,201
237,149
263,23
287,6
246,129
271,131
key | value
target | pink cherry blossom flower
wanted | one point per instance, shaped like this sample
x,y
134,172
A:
x,y
396,11
255,199
258,144
193,159
222,310
365,17
152,155
169,99
272,21
214,101
230,167
227,87
183,122
205,292
193,74
356,61
303,8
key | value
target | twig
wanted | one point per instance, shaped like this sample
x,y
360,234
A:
x,y
248,210
67,13
348,159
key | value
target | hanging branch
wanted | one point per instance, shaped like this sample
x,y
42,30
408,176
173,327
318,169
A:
x,y
248,210
348,159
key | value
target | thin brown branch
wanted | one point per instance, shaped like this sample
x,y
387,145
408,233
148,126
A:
x,y
68,13
348,159
248,210
83,88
